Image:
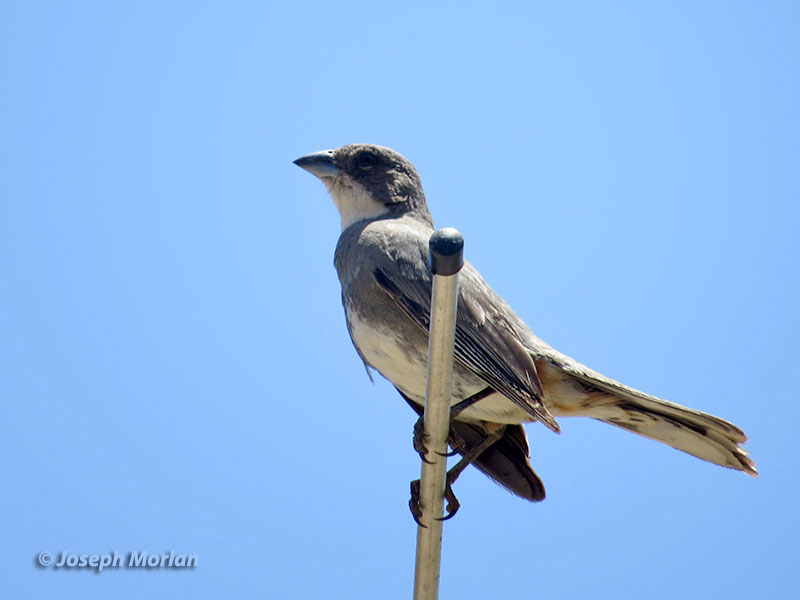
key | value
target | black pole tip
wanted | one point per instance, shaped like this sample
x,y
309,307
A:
x,y
446,251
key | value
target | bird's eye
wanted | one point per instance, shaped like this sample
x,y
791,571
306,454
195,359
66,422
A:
x,y
366,160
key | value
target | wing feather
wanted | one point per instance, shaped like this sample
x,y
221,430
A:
x,y
488,346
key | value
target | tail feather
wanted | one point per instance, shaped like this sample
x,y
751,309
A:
x,y
696,433
578,391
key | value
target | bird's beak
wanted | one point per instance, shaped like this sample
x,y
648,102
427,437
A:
x,y
319,164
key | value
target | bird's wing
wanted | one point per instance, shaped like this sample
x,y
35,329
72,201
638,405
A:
x,y
486,342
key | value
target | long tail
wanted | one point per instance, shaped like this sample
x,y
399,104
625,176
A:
x,y
699,434
589,394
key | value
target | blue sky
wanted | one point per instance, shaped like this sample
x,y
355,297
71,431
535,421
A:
x,y
175,373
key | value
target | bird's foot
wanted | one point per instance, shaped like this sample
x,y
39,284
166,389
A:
x,y
414,503
452,502
457,444
420,439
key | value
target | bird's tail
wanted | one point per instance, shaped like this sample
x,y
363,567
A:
x,y
697,433
692,431
582,392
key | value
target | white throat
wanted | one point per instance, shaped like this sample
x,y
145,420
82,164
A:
x,y
353,202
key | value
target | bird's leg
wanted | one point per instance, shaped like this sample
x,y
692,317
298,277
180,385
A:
x,y
470,456
460,406
456,443
494,432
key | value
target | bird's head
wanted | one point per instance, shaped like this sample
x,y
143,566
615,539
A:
x,y
368,182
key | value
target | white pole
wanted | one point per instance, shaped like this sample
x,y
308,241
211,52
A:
x,y
446,258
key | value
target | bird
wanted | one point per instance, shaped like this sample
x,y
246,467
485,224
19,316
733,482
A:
x,y
503,376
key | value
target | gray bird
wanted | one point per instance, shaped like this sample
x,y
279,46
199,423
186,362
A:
x,y
503,375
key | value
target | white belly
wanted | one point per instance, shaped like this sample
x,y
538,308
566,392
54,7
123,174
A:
x,y
407,369
404,368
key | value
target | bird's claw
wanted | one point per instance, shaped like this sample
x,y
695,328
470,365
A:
x,y
419,440
452,502
456,443
414,503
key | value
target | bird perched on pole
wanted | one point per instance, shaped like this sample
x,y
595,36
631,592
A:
x,y
503,374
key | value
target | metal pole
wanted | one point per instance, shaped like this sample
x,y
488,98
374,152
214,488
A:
x,y
446,259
